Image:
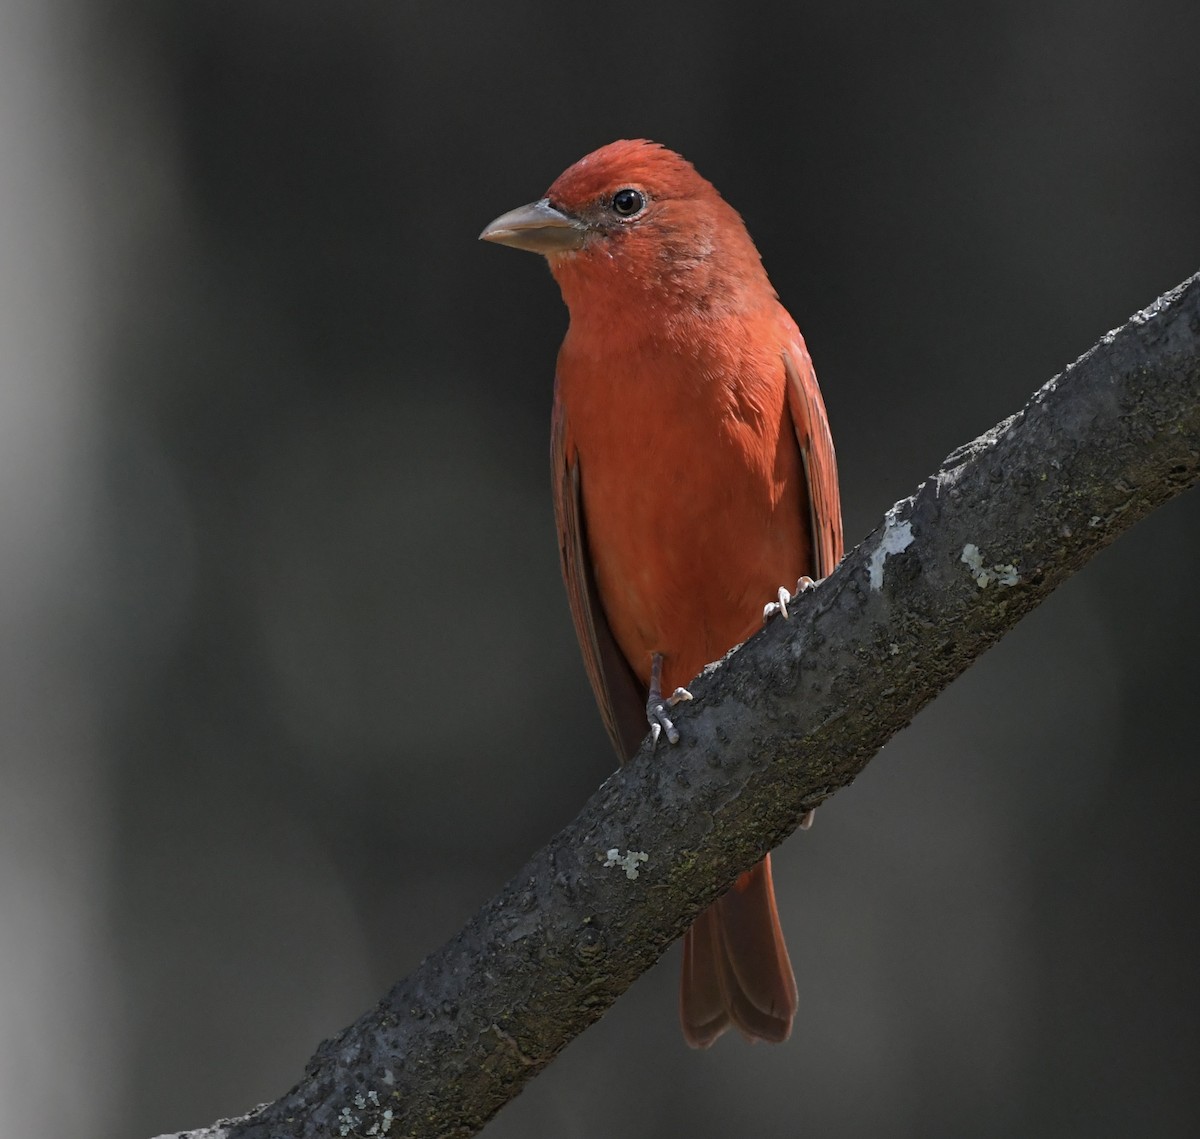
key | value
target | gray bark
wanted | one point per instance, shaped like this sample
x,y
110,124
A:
x,y
776,727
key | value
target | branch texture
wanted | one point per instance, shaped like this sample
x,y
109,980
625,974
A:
x,y
776,727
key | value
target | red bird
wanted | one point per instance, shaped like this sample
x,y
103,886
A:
x,y
693,471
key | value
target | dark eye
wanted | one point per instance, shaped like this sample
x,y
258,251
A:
x,y
627,202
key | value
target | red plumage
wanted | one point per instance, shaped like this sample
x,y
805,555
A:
x,y
693,474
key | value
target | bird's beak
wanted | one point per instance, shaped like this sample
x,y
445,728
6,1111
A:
x,y
538,227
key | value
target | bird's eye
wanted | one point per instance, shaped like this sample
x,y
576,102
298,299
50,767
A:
x,y
627,202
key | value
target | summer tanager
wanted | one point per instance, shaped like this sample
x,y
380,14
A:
x,y
693,473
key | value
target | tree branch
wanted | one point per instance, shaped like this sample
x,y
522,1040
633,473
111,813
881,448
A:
x,y
776,727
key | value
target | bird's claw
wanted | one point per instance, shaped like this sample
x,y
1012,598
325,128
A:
x,y
803,585
679,696
777,606
656,706
660,722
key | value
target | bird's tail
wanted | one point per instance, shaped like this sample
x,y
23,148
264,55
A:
x,y
736,969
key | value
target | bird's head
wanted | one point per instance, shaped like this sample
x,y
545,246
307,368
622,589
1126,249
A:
x,y
635,216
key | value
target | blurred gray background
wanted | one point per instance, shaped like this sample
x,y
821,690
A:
x,y
271,421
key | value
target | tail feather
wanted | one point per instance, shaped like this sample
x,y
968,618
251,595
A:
x,y
702,1005
736,969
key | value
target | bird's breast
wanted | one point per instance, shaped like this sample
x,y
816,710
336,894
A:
x,y
693,493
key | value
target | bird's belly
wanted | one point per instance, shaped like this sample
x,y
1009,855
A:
x,y
686,559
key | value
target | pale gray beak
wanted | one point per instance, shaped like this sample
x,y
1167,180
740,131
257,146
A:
x,y
538,227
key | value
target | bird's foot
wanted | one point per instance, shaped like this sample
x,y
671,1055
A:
x,y
656,705
657,718
781,604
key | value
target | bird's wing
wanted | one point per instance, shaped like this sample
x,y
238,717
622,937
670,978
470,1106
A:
x,y
617,689
816,449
